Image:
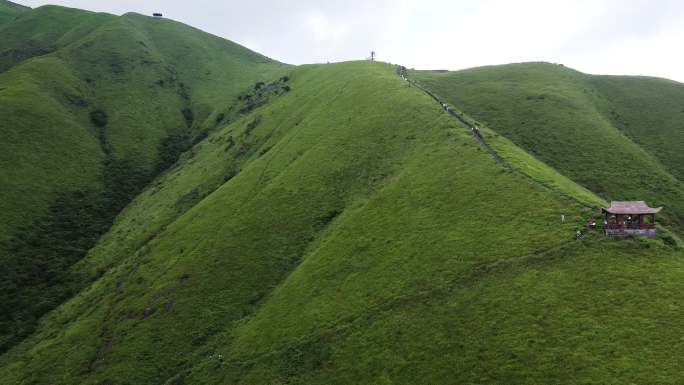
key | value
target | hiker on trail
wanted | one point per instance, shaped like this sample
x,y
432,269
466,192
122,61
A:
x,y
476,131
578,235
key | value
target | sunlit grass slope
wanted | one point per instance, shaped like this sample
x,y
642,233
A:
x,y
92,107
349,231
620,137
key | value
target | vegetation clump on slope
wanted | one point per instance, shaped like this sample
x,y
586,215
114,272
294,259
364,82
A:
x,y
334,226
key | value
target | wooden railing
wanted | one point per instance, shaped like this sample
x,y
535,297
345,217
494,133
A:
x,y
630,226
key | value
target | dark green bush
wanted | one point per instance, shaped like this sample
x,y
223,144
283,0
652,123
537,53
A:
x,y
668,240
264,151
98,118
189,116
230,142
170,150
229,175
35,276
220,117
76,100
252,125
200,136
183,91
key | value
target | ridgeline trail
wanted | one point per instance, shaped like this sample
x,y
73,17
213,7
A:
x,y
475,130
459,116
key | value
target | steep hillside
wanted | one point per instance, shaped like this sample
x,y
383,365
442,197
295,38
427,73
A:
x,y
92,107
349,231
10,10
178,209
620,137
650,111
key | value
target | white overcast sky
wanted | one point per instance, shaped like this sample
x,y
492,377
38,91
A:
x,y
631,37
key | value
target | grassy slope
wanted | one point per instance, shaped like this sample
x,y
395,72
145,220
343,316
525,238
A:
x,y
583,314
366,238
62,64
46,146
57,27
9,11
112,64
661,130
599,131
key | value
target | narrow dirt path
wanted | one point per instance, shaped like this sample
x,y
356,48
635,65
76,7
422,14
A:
x,y
474,129
462,281
478,136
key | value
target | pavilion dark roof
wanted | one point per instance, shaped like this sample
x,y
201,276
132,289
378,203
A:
x,y
631,207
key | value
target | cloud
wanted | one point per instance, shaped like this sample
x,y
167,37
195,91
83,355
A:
x,y
608,36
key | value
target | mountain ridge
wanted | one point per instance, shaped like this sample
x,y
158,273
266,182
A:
x,y
98,110
330,223
534,88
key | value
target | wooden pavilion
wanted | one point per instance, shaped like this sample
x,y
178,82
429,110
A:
x,y
624,218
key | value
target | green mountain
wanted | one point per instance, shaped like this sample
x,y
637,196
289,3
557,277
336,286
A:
x,y
94,107
322,224
621,137
9,11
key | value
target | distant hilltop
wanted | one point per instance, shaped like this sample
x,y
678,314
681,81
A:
x,y
15,5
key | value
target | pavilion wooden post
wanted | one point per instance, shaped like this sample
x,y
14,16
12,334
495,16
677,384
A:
x,y
624,218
